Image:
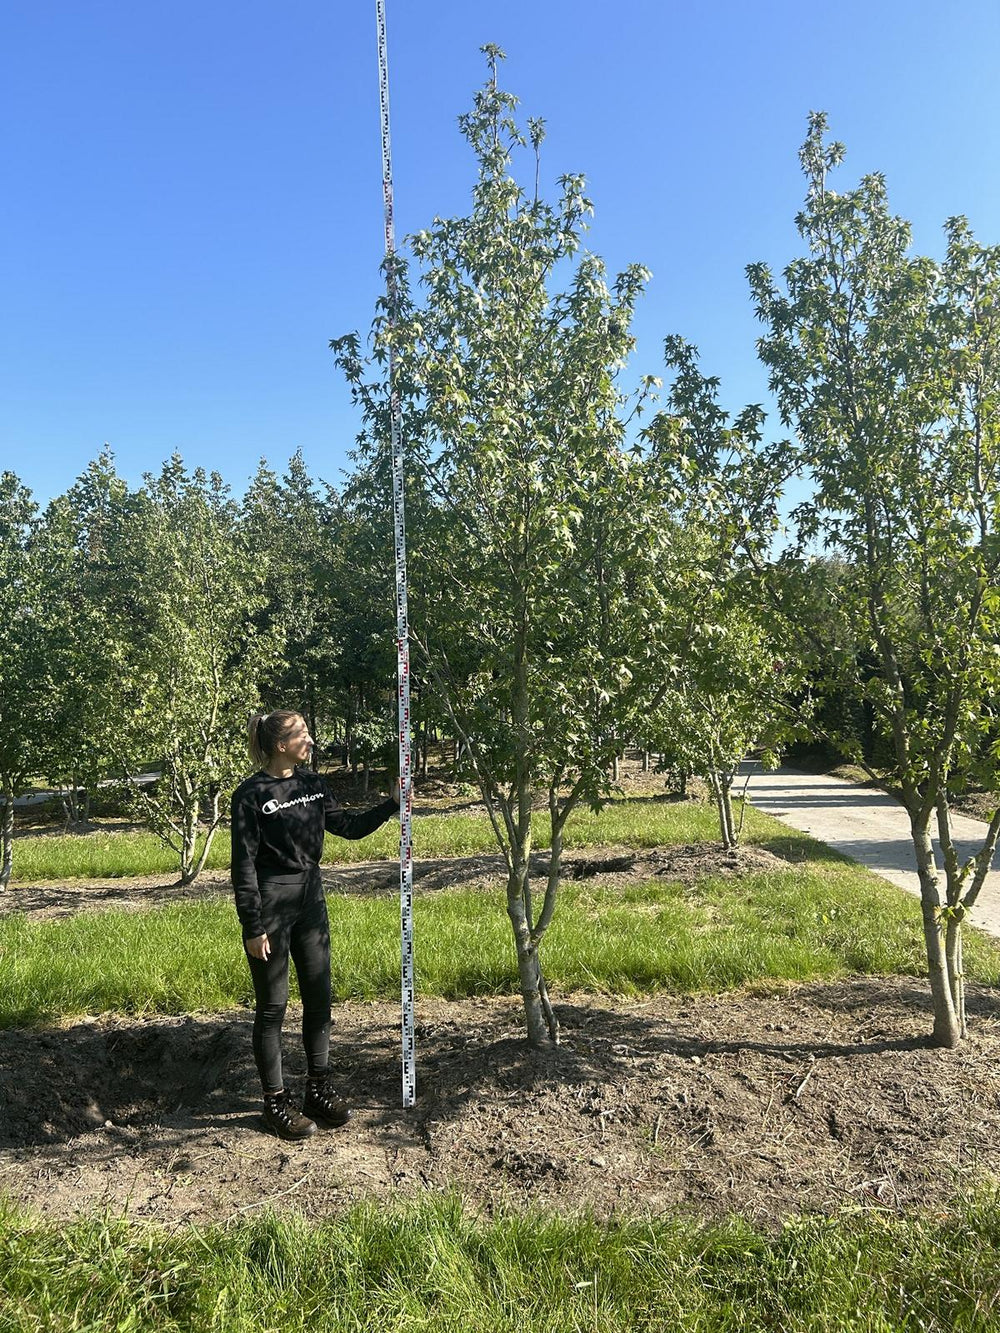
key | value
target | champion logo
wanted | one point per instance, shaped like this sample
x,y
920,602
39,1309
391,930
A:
x,y
272,807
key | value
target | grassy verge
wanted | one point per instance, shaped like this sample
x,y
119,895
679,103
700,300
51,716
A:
x,y
816,919
434,1266
107,855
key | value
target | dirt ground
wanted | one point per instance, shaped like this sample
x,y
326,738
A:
x,y
823,1097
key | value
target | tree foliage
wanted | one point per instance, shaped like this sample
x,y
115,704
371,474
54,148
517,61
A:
x,y
188,655
887,365
733,688
20,692
536,611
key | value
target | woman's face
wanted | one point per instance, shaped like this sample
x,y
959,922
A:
x,y
296,744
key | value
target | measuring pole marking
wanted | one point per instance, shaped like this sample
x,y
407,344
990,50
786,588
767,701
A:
x,y
402,623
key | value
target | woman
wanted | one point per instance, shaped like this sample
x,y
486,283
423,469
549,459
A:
x,y
278,820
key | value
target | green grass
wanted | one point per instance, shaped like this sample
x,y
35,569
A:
x,y
815,919
394,1268
107,855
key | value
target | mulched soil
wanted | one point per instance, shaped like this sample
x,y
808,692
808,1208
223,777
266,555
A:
x,y
823,1097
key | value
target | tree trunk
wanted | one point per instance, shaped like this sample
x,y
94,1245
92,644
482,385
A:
x,y
70,796
539,1018
645,761
7,835
947,1030
956,911
350,759
457,765
187,857
189,843
726,783
528,964
616,768
539,924
366,777
209,837
725,832
956,976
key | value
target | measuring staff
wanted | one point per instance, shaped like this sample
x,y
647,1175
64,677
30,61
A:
x,y
402,625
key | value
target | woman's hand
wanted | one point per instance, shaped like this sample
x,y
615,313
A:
x,y
259,947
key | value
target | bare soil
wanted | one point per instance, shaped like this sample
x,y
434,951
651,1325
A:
x,y
822,1097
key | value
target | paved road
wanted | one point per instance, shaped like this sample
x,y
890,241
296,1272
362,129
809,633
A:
x,y
40,797
868,826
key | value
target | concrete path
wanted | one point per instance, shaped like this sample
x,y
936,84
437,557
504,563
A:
x,y
868,826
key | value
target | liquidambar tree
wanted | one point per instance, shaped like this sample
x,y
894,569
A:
x,y
732,687
888,365
537,540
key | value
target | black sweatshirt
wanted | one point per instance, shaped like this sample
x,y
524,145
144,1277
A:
x,y
277,832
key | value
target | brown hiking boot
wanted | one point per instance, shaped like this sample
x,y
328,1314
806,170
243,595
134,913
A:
x,y
284,1119
322,1105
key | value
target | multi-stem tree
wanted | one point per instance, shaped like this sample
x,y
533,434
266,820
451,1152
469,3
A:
x,y
182,590
888,366
536,537
732,688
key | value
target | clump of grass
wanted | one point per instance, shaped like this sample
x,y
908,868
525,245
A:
x,y
437,1266
813,920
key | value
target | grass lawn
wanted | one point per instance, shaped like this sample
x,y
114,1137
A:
x,y
106,855
817,918
433,1266
436,1265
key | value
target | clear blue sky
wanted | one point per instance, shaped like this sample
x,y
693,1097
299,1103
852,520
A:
x,y
192,202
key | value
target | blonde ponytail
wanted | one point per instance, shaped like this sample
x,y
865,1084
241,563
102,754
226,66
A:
x,y
265,730
257,756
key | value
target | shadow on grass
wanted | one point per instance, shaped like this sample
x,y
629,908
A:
x,y
659,798
799,848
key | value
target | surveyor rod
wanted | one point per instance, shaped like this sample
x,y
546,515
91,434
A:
x,y
402,624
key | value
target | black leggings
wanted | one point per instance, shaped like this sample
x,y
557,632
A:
x,y
295,919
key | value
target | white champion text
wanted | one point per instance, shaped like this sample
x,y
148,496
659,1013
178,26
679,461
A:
x,y
271,807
